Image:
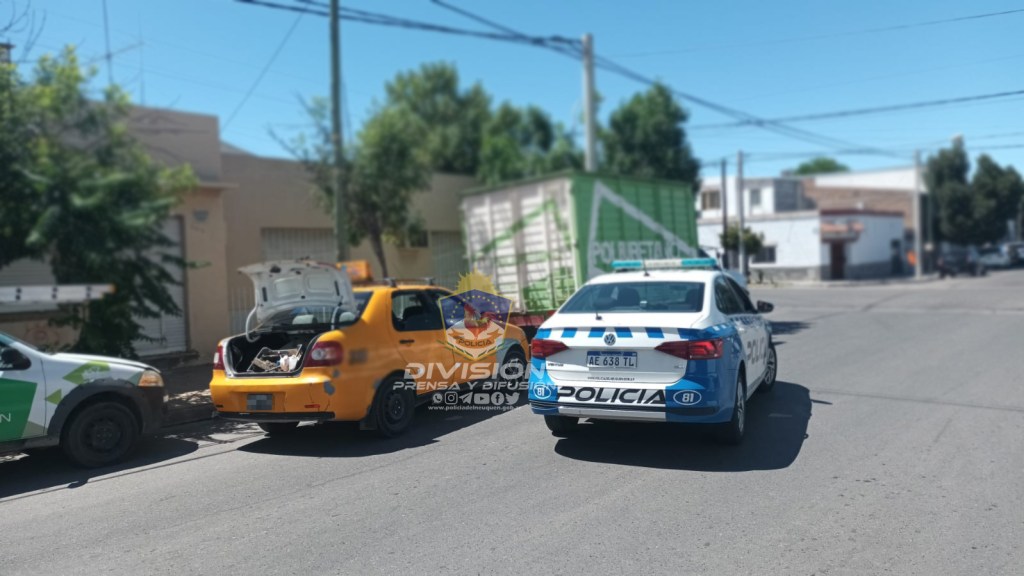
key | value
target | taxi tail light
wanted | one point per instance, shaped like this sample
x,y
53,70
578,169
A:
x,y
541,348
218,358
693,349
324,354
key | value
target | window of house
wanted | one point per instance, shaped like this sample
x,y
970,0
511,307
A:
x,y
766,255
710,200
755,197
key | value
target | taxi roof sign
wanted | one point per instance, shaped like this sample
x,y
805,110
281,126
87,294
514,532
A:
x,y
359,271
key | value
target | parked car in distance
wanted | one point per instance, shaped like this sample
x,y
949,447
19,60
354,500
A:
x,y
995,257
1015,250
954,260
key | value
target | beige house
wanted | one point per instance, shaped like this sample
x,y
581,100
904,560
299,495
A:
x,y
245,209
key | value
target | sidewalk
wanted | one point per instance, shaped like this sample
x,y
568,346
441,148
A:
x,y
189,391
896,281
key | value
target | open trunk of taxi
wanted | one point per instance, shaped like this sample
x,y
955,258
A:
x,y
275,352
296,302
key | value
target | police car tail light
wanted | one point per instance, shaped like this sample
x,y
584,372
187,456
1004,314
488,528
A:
x,y
218,358
541,348
324,354
693,349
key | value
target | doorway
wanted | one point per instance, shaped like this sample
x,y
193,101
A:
x,y
838,260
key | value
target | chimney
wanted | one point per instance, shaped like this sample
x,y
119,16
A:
x,y
5,52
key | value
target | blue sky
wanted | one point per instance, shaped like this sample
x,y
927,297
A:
x,y
754,55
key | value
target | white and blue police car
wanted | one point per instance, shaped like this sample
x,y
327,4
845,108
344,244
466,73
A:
x,y
656,340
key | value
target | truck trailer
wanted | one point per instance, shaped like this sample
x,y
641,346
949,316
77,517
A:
x,y
540,239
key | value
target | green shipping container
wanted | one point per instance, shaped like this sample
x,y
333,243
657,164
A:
x,y
540,239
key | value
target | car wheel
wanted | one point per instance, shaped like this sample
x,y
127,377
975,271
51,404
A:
x,y
512,373
771,371
562,426
732,431
100,434
394,408
278,428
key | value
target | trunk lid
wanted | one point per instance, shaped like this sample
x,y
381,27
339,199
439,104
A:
x,y
286,284
619,348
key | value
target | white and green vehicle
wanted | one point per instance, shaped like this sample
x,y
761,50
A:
x,y
542,238
94,407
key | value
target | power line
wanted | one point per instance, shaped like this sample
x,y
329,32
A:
x,y
363,16
575,51
866,111
892,28
263,72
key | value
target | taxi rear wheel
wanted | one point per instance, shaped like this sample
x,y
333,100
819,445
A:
x,y
278,428
394,407
562,426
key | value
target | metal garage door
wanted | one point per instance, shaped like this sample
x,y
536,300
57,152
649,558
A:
x,y
449,257
292,243
171,332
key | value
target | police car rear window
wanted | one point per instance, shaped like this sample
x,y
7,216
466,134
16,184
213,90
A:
x,y
681,297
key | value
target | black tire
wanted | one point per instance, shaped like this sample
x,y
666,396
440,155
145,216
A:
x,y
562,426
100,434
771,371
515,363
732,432
278,428
393,408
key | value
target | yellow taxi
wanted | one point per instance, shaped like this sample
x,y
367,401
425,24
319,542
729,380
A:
x,y
318,348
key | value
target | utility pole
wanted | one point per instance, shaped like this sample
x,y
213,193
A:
x,y
340,198
916,210
106,34
725,217
589,112
740,206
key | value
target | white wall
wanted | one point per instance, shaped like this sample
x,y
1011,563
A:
x,y
888,179
714,183
875,242
796,238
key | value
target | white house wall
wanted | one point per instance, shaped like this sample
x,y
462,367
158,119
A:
x,y
875,242
796,239
889,179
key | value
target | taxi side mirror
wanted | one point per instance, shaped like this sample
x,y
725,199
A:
x,y
764,307
11,359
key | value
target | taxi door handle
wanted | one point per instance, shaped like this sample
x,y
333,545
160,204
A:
x,y
406,341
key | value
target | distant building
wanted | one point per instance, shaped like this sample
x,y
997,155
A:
x,y
854,225
245,209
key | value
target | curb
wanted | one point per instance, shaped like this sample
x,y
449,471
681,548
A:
x,y
188,414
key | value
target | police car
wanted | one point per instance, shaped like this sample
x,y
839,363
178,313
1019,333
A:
x,y
657,340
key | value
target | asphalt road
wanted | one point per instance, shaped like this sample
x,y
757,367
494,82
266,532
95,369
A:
x,y
892,444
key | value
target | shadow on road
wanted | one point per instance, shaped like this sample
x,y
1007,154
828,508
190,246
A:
x,y
48,468
786,328
776,429
345,440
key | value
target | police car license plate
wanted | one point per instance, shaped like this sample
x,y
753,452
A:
x,y
612,360
259,402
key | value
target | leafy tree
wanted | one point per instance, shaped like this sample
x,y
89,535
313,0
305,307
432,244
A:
x,y
752,243
383,169
77,191
996,194
454,118
972,212
388,166
645,138
820,165
522,142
